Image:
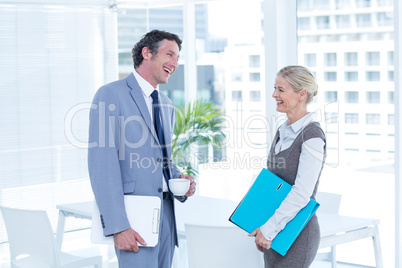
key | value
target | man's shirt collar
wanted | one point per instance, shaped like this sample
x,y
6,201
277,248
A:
x,y
146,87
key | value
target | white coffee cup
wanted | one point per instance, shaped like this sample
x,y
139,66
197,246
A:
x,y
179,186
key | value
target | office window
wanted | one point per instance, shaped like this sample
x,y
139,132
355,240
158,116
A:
x,y
254,61
391,76
373,58
383,3
237,95
330,76
304,5
352,97
375,36
237,77
363,26
363,20
52,61
373,119
310,60
351,118
321,4
304,24
351,59
353,37
312,39
255,96
330,59
363,3
390,97
330,96
322,22
385,19
255,77
331,117
333,38
390,58
218,153
351,76
391,119
372,76
314,74
341,4
342,21
373,97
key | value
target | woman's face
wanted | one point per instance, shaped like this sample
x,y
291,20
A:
x,y
287,99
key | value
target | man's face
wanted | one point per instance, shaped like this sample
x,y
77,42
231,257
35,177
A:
x,y
160,66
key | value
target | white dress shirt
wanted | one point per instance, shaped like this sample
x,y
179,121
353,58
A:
x,y
310,163
147,90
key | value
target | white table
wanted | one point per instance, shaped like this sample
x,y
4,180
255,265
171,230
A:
x,y
335,229
81,210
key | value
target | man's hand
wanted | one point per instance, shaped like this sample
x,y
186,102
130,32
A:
x,y
193,184
260,240
127,240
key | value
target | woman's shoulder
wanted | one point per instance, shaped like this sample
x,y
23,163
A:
x,y
313,130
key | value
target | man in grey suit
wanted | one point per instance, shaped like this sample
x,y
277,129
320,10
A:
x,y
126,154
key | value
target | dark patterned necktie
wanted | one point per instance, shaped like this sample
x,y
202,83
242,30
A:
x,y
159,132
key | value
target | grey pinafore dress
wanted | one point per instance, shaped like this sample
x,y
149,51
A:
x,y
302,253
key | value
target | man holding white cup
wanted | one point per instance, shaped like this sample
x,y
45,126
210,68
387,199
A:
x,y
130,117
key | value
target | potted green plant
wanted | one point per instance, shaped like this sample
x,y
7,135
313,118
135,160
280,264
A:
x,y
199,124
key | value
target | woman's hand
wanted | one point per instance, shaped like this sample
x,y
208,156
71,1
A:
x,y
260,240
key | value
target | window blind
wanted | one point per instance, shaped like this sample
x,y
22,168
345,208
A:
x,y
52,60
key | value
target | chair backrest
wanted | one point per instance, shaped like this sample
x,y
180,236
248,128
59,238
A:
x,y
215,247
30,235
329,202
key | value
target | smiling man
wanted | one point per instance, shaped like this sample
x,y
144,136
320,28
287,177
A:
x,y
128,118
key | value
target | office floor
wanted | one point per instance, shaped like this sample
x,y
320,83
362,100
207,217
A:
x,y
78,243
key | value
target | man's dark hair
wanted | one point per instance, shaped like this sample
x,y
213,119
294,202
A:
x,y
152,41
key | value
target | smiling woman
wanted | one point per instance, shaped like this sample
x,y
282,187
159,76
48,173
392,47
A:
x,y
294,88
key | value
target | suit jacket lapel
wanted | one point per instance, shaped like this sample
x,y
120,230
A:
x,y
138,96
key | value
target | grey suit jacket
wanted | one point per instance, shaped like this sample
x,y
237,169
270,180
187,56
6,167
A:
x,y
124,155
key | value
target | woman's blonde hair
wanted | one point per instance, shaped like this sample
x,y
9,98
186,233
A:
x,y
299,78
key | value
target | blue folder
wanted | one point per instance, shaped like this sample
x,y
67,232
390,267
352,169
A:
x,y
260,203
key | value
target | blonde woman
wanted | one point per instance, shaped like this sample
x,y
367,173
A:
x,y
300,146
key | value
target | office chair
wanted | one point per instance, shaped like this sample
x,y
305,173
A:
x,y
33,245
219,247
